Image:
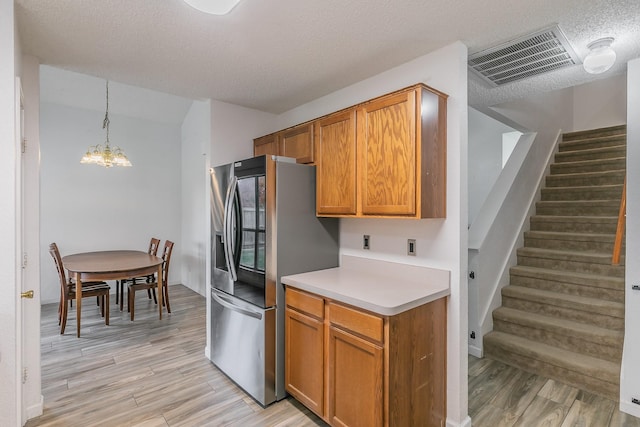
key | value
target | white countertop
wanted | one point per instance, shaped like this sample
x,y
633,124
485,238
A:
x,y
383,287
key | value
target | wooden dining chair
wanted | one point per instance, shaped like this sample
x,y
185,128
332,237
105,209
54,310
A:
x,y
68,291
153,250
135,286
71,281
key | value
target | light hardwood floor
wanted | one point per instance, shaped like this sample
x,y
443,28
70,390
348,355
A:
x,y
153,372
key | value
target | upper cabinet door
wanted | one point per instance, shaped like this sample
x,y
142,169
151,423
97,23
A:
x,y
267,144
335,138
297,142
387,155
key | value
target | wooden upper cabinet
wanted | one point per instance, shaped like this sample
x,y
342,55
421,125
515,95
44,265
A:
x,y
400,154
297,142
387,147
267,144
335,138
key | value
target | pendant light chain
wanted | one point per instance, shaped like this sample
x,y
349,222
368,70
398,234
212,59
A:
x,y
105,122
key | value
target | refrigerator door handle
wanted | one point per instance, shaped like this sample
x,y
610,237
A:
x,y
231,306
228,231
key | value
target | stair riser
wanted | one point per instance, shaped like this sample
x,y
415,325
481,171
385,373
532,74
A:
x,y
574,226
588,317
587,144
581,193
589,167
571,181
575,266
595,133
591,290
578,209
570,245
605,351
607,389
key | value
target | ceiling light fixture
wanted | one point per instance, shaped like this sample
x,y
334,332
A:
x,y
105,156
600,57
214,7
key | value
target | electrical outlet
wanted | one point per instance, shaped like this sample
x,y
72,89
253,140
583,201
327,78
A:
x,y
365,241
411,247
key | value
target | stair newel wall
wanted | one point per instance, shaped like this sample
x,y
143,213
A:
x,y
498,230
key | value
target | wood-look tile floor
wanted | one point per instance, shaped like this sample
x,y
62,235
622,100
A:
x,y
153,372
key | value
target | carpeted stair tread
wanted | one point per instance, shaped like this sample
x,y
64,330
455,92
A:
x,y
586,179
592,305
570,241
586,279
591,154
595,141
585,365
595,133
588,333
578,193
578,224
577,256
560,235
594,165
578,207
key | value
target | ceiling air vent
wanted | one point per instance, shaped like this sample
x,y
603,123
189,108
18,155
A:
x,y
543,51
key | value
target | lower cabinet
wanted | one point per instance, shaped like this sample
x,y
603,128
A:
x,y
355,368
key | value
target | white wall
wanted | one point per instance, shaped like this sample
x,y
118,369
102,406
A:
x,y
600,103
630,372
88,207
233,129
440,243
485,157
9,279
196,137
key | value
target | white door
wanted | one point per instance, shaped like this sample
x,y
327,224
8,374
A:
x,y
19,247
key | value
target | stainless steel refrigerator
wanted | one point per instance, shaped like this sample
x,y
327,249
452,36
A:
x,y
264,227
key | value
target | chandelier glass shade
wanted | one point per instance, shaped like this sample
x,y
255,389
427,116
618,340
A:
x,y
104,155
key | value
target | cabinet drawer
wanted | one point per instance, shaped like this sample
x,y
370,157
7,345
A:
x,y
364,324
305,303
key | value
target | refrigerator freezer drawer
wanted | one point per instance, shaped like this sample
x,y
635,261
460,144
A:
x,y
243,345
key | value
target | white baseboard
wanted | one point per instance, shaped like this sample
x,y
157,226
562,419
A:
x,y
465,423
476,351
207,353
630,408
36,409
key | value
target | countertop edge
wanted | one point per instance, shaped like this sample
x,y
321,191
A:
x,y
432,292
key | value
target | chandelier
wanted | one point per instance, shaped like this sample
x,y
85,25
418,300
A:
x,y
105,156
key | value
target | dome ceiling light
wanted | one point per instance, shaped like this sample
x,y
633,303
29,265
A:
x,y
213,7
600,57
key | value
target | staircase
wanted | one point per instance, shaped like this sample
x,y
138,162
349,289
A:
x,y
562,315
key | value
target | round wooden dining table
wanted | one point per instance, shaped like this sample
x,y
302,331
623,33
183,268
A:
x,y
111,265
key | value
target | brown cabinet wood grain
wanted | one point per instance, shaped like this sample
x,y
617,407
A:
x,y
266,145
304,350
335,138
297,142
385,157
355,380
357,368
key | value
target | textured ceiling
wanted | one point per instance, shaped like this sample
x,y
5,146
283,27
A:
x,y
275,55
